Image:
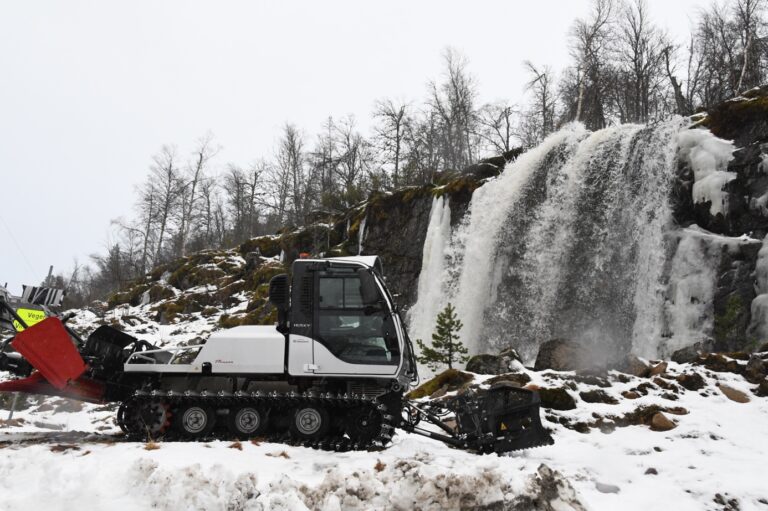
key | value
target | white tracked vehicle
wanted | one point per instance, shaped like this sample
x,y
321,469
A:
x,y
331,374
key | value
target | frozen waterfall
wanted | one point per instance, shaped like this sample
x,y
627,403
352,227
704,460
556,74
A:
x,y
575,240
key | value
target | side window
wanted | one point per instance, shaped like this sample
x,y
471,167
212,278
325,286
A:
x,y
342,292
345,328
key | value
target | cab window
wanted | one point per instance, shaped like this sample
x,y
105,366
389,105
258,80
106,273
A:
x,y
352,332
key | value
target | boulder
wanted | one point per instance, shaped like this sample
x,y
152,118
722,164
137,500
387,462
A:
x,y
509,356
556,398
691,381
451,379
660,422
762,389
720,363
658,369
756,369
518,379
486,364
733,394
634,366
630,394
691,353
560,355
598,396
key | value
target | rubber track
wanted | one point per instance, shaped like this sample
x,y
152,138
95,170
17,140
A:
x,y
334,403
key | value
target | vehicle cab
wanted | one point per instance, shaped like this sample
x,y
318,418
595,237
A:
x,y
341,321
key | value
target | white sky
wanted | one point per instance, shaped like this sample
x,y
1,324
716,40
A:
x,y
89,90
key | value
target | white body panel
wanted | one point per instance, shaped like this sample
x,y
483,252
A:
x,y
328,365
243,349
299,355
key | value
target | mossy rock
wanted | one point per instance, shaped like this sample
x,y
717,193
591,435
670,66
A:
x,y
158,293
265,315
556,398
189,276
598,396
519,379
263,274
729,119
267,246
728,324
209,311
452,379
720,364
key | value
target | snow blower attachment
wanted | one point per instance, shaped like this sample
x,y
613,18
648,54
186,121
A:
x,y
331,374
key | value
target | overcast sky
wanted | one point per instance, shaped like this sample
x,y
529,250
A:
x,y
89,90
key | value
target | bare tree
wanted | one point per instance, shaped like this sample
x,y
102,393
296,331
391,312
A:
x,y
391,133
541,85
189,187
589,44
164,183
292,165
496,126
453,102
639,94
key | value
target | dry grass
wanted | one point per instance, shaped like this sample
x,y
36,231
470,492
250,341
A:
x,y
64,447
151,446
379,466
281,454
236,445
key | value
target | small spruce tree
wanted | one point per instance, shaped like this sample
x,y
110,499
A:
x,y
446,347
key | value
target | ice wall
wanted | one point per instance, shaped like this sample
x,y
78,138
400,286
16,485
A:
x,y
575,239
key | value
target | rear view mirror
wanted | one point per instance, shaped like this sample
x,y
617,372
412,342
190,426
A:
x,y
279,292
369,291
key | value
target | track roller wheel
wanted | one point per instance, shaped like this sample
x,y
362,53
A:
x,y
247,421
310,422
144,420
128,418
194,420
363,425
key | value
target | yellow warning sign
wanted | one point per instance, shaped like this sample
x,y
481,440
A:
x,y
30,317
503,427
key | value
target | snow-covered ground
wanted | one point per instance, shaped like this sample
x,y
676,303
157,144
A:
x,y
75,459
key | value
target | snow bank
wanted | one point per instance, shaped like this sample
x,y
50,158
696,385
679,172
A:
x,y
708,157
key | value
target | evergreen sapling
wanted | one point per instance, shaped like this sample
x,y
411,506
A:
x,y
446,348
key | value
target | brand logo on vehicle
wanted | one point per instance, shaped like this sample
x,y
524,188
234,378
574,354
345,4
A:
x,y
302,325
223,361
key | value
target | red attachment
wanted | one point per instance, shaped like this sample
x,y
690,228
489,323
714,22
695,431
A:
x,y
48,347
82,389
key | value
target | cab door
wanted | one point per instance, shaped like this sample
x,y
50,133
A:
x,y
350,338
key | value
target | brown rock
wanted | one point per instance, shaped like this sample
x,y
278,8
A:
x,y
519,379
720,364
660,422
560,355
651,472
733,394
658,369
756,369
630,394
557,398
762,389
598,396
691,381
634,366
